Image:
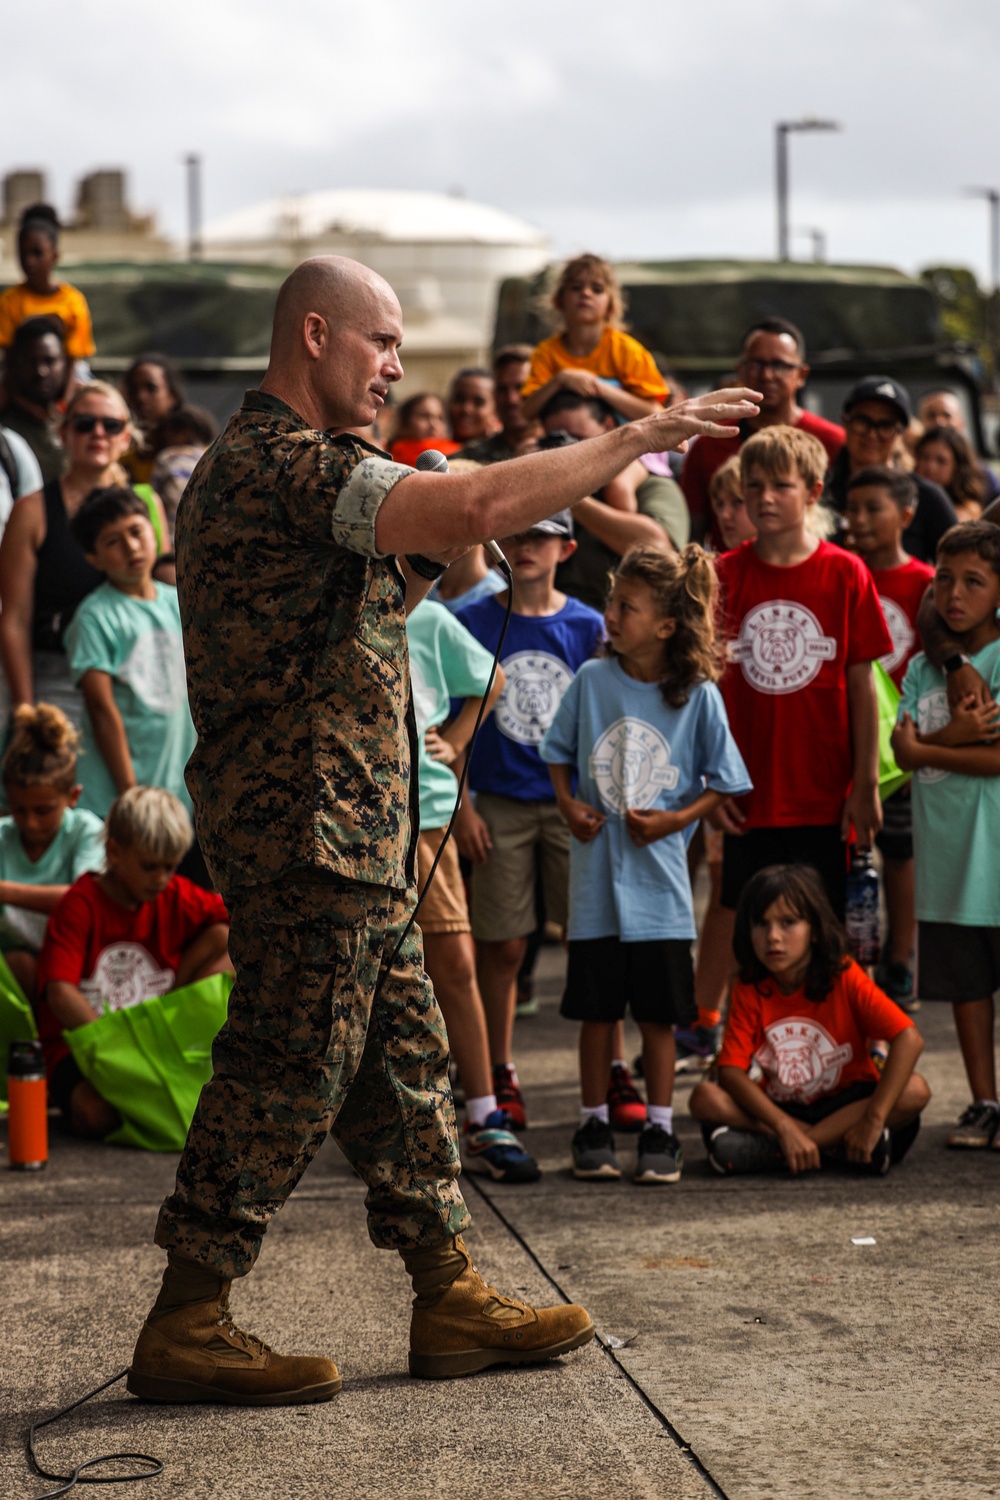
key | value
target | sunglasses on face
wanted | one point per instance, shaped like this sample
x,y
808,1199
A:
x,y
780,367
886,428
112,426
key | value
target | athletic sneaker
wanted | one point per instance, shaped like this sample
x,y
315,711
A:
x,y
697,1047
896,981
509,1097
594,1151
733,1152
660,1157
977,1127
492,1151
625,1104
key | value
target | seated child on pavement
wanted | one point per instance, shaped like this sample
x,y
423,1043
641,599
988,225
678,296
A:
x,y
880,506
47,842
801,1013
134,930
447,663
126,654
549,638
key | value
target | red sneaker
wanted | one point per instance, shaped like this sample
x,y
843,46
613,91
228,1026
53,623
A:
x,y
509,1096
625,1103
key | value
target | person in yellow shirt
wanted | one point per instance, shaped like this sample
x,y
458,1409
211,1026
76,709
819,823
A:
x,y
593,355
39,295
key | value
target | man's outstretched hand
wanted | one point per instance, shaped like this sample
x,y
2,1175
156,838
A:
x,y
716,414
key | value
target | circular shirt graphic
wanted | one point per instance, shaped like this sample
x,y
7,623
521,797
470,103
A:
x,y
902,634
801,1060
155,671
630,765
781,647
124,974
534,688
932,714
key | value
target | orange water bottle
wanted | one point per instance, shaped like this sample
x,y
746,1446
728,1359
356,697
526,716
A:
x,y
27,1120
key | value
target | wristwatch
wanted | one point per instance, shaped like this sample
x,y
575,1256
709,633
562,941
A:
x,y
955,663
425,567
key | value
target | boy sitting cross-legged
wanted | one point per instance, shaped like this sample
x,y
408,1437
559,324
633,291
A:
x,y
135,930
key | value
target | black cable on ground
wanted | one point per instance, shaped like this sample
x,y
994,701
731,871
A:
x,y
67,1481
684,1448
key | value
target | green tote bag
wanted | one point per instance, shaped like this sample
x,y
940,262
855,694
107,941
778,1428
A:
x,y
17,1024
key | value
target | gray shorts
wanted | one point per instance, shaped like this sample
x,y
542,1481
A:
x,y
503,889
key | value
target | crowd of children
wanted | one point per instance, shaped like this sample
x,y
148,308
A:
x,y
720,704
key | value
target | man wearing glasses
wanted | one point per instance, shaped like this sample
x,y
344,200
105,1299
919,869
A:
x,y
876,414
773,361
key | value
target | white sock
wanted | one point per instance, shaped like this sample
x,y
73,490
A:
x,y
662,1115
599,1112
476,1110
619,1062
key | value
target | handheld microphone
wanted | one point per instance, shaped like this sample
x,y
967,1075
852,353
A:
x,y
432,461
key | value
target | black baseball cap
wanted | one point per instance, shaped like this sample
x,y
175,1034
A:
x,y
561,524
881,388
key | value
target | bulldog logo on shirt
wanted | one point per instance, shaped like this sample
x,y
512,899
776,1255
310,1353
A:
x,y
801,1060
534,688
630,764
932,714
124,974
781,647
901,631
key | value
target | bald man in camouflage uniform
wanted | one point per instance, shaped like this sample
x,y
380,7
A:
x,y
298,554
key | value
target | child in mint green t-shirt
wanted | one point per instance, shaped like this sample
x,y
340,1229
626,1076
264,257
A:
x,y
956,816
46,842
126,654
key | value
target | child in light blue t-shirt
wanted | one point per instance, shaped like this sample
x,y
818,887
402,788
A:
x,y
646,732
47,842
126,654
956,816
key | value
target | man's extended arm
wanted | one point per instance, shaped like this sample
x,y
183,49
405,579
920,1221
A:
x,y
432,513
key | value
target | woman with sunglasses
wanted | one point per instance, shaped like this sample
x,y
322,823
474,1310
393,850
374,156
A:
x,y
876,414
43,573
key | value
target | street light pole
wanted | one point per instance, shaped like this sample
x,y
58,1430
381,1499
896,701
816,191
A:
x,y
992,197
193,165
782,131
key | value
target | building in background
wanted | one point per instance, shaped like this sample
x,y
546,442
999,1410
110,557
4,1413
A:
x,y
102,226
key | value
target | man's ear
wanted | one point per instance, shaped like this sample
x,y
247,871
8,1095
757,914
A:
x,y
803,376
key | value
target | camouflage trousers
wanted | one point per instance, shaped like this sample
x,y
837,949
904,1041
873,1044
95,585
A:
x,y
309,1048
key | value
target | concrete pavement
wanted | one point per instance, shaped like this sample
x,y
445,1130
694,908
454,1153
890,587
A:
x,y
737,1318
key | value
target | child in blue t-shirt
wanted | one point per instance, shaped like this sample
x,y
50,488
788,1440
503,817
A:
x,y
515,820
47,842
646,732
126,654
956,816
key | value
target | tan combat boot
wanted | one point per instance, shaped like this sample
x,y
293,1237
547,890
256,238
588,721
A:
x,y
469,1326
192,1351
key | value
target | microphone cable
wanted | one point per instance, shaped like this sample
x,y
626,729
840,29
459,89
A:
x,y
67,1482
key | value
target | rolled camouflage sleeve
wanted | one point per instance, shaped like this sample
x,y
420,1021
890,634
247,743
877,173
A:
x,y
352,524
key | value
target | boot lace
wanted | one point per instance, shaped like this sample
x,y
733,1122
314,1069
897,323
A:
x,y
248,1341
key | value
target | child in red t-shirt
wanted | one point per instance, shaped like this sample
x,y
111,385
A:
x,y
881,503
804,624
802,1012
135,930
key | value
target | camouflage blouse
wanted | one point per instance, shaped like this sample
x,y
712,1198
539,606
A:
x,y
295,641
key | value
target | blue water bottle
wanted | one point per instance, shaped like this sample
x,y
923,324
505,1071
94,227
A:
x,y
861,916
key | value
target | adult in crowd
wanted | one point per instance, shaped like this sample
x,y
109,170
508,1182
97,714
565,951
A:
x,y
876,414
657,515
153,389
942,408
772,360
37,374
472,412
945,457
518,433
43,572
300,551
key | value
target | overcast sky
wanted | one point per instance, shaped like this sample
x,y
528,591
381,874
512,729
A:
x,y
633,127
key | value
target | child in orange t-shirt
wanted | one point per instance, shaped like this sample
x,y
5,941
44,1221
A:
x,y
592,355
801,1014
38,295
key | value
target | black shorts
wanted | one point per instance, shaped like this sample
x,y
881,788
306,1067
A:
x,y
827,1104
62,1081
957,963
654,980
895,838
821,846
